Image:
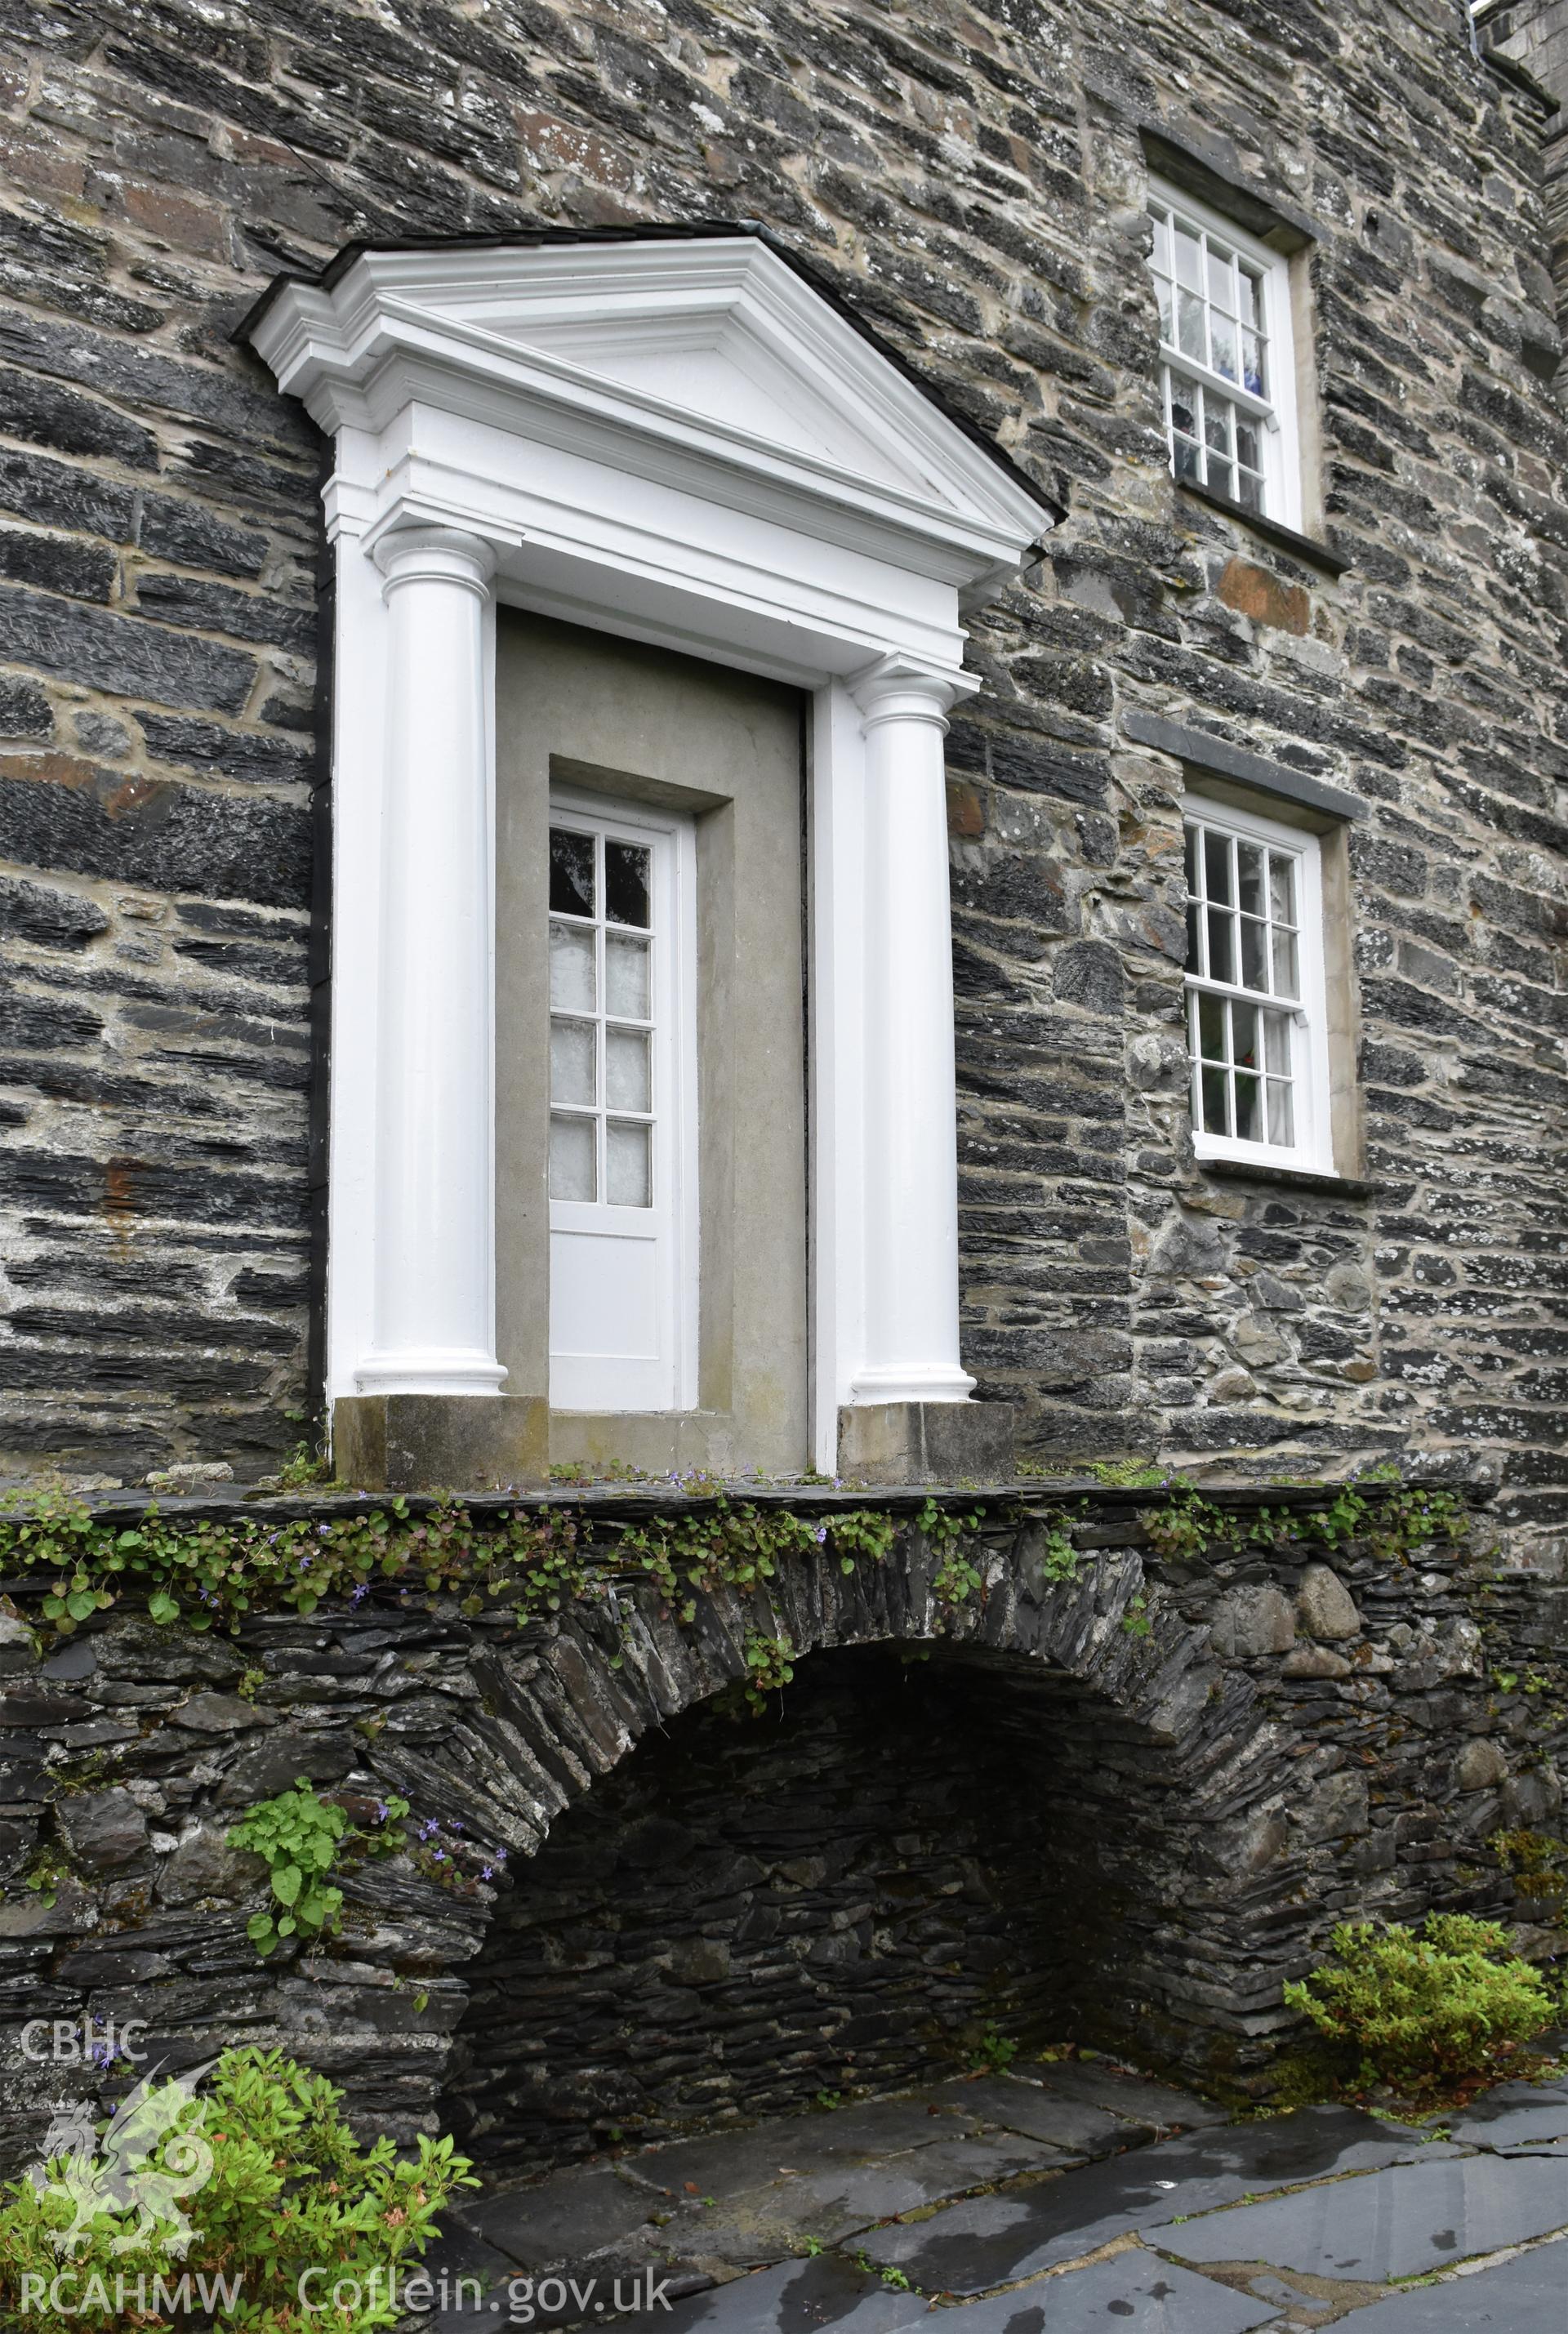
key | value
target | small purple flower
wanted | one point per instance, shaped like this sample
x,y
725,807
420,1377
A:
x,y
382,1811
454,1825
819,1534
428,1828
325,1531
487,1872
361,1593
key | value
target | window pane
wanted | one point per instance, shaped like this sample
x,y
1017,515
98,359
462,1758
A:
x,y
1248,490
626,1165
1211,1027
1253,954
1194,937
1247,444
1286,977
1281,1115
1277,1041
1249,868
1221,477
1217,866
572,1065
626,976
1183,407
570,873
1254,371
1222,345
572,1165
626,883
1186,458
1162,241
1194,876
1251,298
627,1079
1217,425
1166,311
1282,888
1214,1084
1249,1107
1221,944
1187,256
571,980
1190,336
1244,1035
1220,277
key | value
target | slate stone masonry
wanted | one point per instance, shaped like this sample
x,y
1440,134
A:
x,y
971,178
1121,1809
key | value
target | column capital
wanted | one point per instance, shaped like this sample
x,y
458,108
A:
x,y
899,688
434,554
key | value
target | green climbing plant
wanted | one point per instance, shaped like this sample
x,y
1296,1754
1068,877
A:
x,y
299,1837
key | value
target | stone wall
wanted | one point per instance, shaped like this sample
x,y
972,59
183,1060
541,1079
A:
x,y
1121,1808
971,177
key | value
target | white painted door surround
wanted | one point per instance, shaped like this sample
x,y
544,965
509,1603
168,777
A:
x,y
683,440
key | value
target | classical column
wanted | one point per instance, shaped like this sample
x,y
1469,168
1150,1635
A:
x,y
435,1309
912,1171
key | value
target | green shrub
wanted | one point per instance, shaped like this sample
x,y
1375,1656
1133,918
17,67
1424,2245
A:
x,y
1427,2012
275,2185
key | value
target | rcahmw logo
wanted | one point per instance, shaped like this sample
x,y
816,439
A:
x,y
116,2173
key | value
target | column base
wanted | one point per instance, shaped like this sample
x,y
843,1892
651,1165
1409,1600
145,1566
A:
x,y
937,1442
441,1441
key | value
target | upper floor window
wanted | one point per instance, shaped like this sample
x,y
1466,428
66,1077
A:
x,y
1227,368
1256,1007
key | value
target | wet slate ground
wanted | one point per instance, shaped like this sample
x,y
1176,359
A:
x,y
1055,2199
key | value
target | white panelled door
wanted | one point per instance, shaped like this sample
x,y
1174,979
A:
x,y
622,1107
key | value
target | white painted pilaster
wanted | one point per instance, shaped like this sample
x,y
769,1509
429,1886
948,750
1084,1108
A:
x,y
434,1307
911,1325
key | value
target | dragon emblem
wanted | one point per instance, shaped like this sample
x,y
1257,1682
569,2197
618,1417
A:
x,y
151,2155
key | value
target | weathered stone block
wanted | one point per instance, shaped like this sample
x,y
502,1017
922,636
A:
x,y
926,1442
1324,1606
424,1442
1253,1621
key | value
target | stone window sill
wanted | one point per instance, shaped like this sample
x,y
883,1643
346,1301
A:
x,y
1283,539
1295,1179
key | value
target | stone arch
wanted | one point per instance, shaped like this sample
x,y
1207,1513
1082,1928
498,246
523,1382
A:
x,y
551,1715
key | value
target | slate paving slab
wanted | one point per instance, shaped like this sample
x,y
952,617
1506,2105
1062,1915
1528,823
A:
x,y
1061,2121
1515,2115
1527,2295
1402,2222
568,2217
728,2163
795,2296
989,2241
1134,2095
1133,2290
836,2201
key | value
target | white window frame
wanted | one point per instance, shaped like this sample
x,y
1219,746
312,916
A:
x,y
667,1379
1276,412
1312,1152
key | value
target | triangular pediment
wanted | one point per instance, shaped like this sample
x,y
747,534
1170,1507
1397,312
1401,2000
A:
x,y
710,361
726,368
